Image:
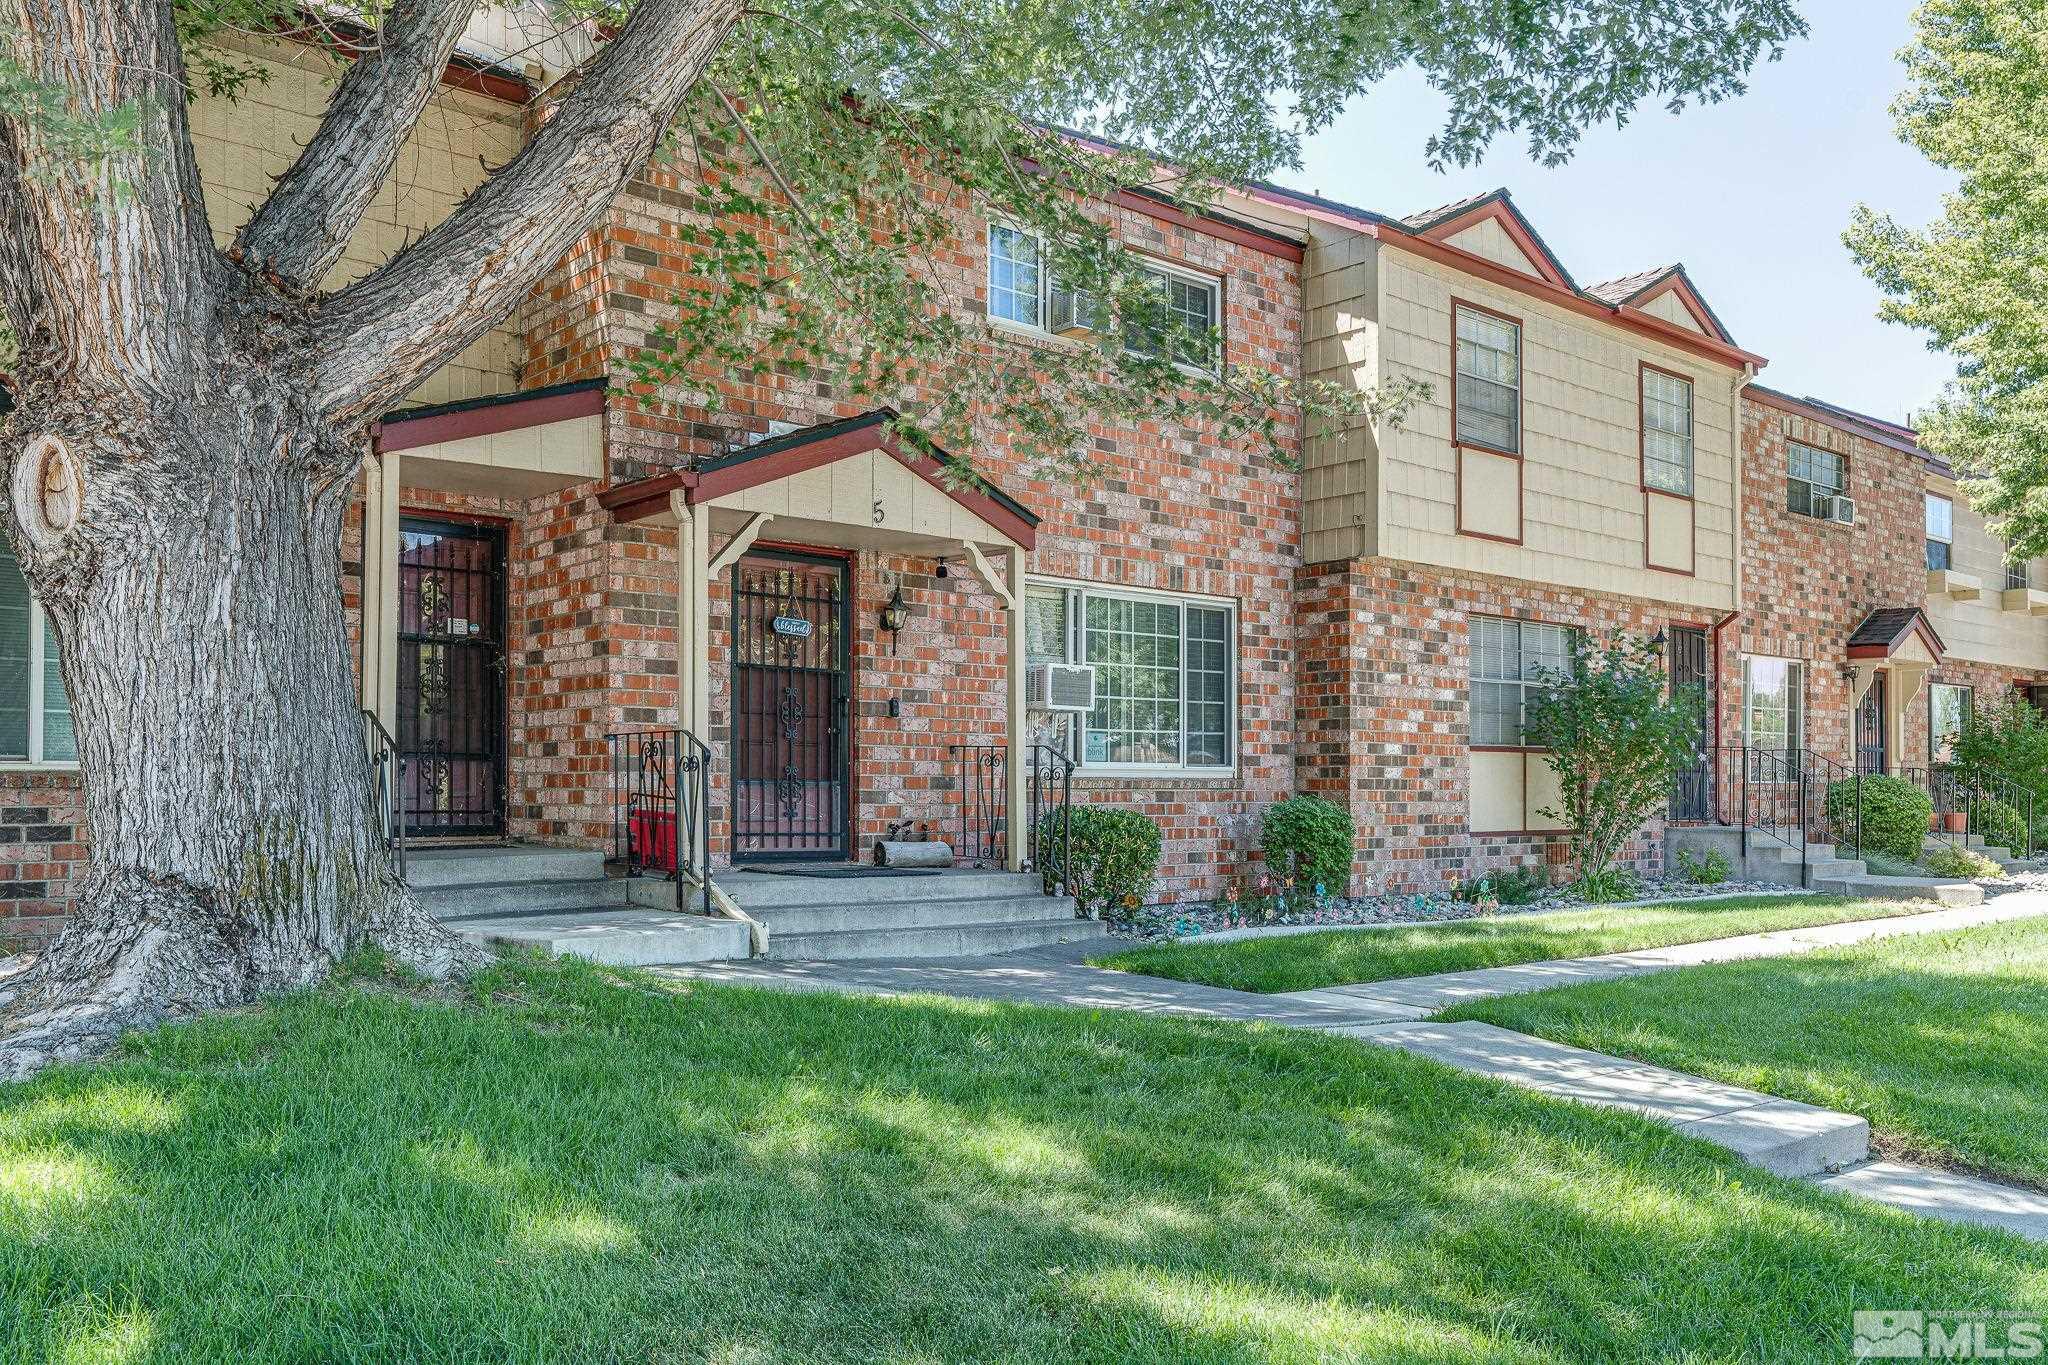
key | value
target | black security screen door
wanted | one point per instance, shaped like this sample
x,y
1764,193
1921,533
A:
x,y
1870,729
451,676
1690,794
789,725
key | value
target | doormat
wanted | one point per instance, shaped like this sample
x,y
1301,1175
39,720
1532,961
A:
x,y
844,871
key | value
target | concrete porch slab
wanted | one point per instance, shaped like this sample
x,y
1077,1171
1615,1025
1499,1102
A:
x,y
615,937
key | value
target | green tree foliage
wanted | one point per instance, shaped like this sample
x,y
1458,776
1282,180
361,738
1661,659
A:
x,y
2005,740
1977,105
1617,736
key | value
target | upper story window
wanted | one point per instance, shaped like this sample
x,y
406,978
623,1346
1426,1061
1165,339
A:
x,y
1165,673
1812,477
1510,661
1941,531
1023,290
35,715
2015,570
1667,432
1191,308
1488,396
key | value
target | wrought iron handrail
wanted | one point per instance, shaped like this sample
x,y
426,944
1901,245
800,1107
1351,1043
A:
x,y
1052,815
980,825
1951,795
2020,798
387,786
661,805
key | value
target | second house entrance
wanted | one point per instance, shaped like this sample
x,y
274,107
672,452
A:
x,y
451,676
791,708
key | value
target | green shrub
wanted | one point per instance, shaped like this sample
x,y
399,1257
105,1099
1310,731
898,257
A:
x,y
1607,885
2000,826
1313,837
1703,869
1895,814
1510,886
1116,856
1949,860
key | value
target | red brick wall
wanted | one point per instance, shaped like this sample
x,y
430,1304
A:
x,y
1383,707
42,853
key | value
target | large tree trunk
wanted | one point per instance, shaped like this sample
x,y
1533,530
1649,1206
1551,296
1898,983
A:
x,y
197,602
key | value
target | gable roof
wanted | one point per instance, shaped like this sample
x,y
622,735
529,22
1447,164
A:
x,y
809,448
1646,286
1885,629
1446,221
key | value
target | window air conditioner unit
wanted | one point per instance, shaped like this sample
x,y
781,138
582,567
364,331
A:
x,y
1073,313
1842,510
1060,687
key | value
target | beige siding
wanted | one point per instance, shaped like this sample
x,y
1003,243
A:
x,y
1340,465
1489,239
1982,630
1584,517
1668,307
245,145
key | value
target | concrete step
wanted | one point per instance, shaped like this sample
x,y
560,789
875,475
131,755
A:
x,y
1836,868
439,867
491,900
755,891
1903,889
616,937
911,914
932,940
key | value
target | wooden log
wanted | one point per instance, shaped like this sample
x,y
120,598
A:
x,y
913,853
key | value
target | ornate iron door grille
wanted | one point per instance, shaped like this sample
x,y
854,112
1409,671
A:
x,y
790,688
1691,797
1870,727
451,677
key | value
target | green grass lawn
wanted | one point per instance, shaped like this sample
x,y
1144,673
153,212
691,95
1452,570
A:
x,y
1301,962
582,1168
1941,1042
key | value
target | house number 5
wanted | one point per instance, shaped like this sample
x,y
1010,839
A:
x,y
880,515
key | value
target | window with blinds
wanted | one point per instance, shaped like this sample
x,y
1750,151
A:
x,y
1489,380
1667,432
35,715
1511,661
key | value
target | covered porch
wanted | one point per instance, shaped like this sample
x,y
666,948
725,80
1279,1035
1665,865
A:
x,y
810,735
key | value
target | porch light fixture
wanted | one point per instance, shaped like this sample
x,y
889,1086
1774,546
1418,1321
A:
x,y
1659,641
894,615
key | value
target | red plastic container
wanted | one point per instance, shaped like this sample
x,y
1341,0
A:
x,y
654,838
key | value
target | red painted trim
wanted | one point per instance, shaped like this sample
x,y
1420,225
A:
x,y
490,420
1457,258
798,547
458,73
1674,283
643,498
462,518
1834,420
1210,227
1511,223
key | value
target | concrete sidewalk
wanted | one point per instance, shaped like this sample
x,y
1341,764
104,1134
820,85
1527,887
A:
x,y
1782,1136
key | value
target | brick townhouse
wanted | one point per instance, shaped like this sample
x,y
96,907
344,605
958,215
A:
x,y
537,563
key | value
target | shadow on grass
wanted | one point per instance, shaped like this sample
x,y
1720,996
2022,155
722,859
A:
x,y
592,1171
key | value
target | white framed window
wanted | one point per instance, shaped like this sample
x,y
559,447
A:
x,y
2015,570
1941,531
1488,390
1023,291
1511,661
1773,705
1191,303
35,715
1948,709
1165,674
1812,476
1667,432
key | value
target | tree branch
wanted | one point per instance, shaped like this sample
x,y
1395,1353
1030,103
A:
x,y
110,268
377,339
299,232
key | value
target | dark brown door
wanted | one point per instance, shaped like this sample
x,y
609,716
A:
x,y
1870,729
791,737
451,676
1692,793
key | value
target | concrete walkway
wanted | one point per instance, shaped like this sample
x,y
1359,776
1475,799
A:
x,y
1783,1136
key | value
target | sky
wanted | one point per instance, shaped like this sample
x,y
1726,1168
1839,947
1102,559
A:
x,y
1751,195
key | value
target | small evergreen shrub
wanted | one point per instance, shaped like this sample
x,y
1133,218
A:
x,y
1314,837
1947,860
1607,885
1895,814
1509,886
1116,857
2000,826
1708,869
